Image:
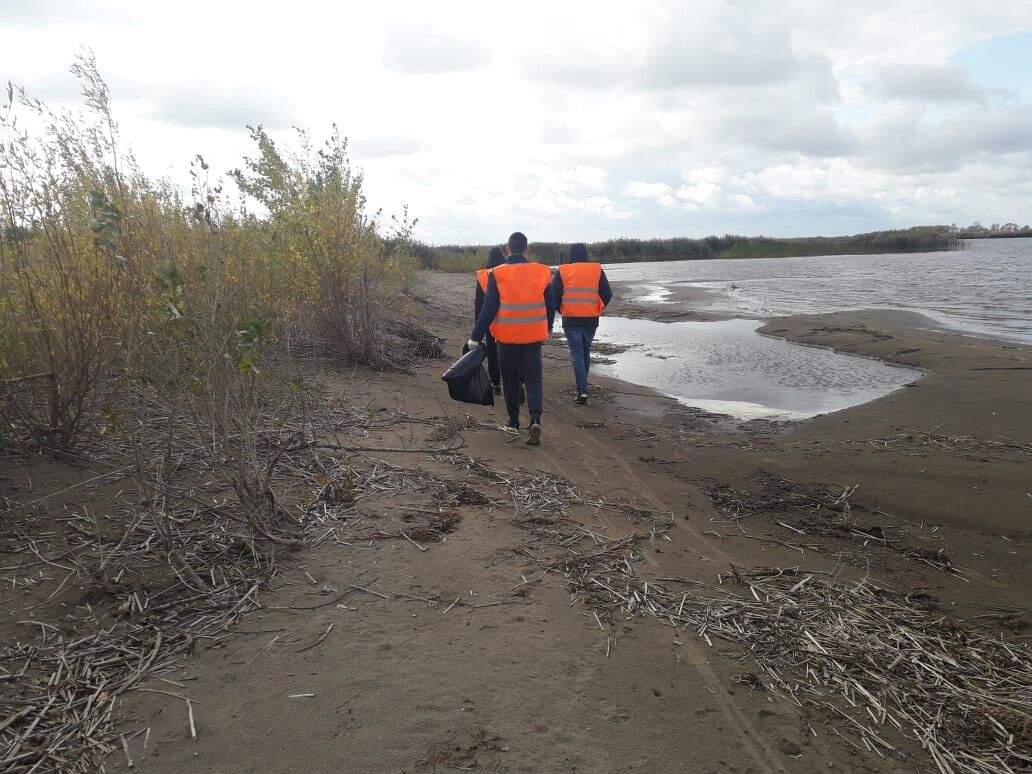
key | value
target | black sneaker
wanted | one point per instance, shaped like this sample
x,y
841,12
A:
x,y
534,437
582,398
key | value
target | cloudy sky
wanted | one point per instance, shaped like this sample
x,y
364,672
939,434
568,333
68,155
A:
x,y
582,120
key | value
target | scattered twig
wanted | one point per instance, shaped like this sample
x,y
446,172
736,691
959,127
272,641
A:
x,y
322,637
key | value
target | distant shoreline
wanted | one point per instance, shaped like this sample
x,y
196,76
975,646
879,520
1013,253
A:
x,y
921,239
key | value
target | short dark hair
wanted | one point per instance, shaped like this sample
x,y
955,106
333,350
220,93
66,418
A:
x,y
517,242
578,252
495,257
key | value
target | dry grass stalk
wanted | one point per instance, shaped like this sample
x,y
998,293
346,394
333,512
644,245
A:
x,y
887,669
811,510
883,663
174,561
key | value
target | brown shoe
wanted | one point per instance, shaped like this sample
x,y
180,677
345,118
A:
x,y
534,438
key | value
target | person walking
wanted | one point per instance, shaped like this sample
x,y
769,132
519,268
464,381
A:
x,y
582,292
518,311
494,258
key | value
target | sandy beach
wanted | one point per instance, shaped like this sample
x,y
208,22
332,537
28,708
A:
x,y
452,628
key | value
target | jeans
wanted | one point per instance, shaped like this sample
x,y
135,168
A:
x,y
521,364
579,340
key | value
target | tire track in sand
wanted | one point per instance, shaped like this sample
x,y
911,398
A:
x,y
758,748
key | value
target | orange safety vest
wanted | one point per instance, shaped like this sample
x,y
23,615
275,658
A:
x,y
522,316
482,276
580,289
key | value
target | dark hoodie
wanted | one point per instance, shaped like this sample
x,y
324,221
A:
x,y
579,254
494,258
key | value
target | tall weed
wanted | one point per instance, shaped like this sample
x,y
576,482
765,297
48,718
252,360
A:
x,y
343,269
109,278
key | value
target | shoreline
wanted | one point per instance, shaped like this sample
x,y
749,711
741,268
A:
x,y
899,338
684,302
400,644
970,387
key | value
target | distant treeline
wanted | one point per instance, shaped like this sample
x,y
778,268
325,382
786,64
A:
x,y
996,231
911,240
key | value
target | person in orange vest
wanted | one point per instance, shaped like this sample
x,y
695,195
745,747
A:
x,y
518,310
494,258
582,292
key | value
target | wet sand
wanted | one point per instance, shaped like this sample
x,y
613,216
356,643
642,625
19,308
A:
x,y
415,676
976,394
678,302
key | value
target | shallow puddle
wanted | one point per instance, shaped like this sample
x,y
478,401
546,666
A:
x,y
727,367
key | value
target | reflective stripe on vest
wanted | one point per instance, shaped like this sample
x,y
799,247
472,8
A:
x,y
522,316
482,276
514,307
580,290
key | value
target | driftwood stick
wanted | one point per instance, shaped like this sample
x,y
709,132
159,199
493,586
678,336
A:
x,y
461,444
322,637
18,379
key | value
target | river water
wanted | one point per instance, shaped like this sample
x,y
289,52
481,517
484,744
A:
x,y
984,289
727,367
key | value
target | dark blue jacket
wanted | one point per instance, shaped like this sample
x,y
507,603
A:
x,y
604,292
492,301
478,301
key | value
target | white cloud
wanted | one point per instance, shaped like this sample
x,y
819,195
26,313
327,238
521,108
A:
x,y
802,130
211,106
31,13
661,193
684,46
558,133
379,147
932,83
904,138
584,118
717,190
423,49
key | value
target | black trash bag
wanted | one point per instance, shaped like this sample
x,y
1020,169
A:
x,y
468,381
